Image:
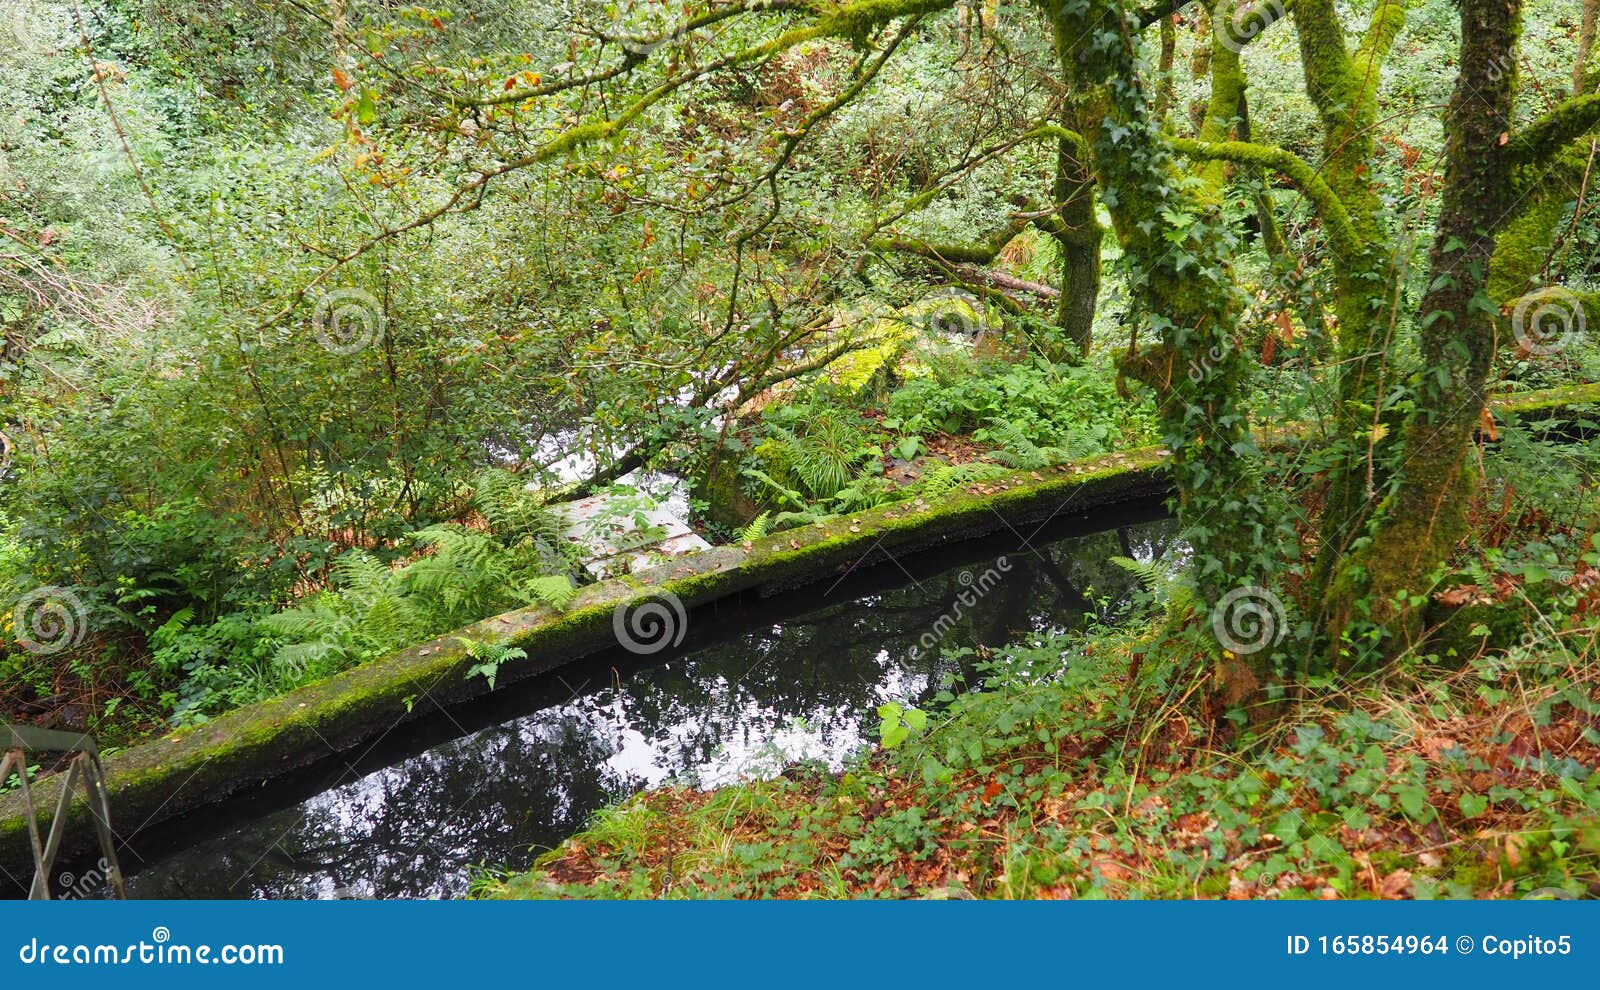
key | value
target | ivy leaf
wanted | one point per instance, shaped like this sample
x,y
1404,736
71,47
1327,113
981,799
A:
x,y
1414,802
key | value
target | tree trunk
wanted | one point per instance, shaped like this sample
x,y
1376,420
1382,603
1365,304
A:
x,y
1421,521
1580,67
1166,86
1187,298
1079,237
1343,86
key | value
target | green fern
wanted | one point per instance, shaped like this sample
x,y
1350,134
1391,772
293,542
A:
x,y
946,478
372,608
513,512
463,576
490,657
556,590
787,494
1017,449
759,526
1172,593
825,456
366,612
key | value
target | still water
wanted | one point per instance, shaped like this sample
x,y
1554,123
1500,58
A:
x,y
754,684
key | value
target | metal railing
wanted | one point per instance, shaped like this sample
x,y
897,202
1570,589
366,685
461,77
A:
x,y
16,742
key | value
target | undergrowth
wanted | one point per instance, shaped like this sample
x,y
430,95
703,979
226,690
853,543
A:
x,y
1099,766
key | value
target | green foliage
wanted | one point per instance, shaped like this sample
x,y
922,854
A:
x,y
759,526
1014,447
371,608
826,454
1076,769
1035,412
946,478
899,724
1168,589
490,657
188,186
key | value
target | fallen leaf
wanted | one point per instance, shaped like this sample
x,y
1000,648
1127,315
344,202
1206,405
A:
x,y
1394,885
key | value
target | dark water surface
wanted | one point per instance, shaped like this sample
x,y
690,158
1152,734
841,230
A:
x,y
755,683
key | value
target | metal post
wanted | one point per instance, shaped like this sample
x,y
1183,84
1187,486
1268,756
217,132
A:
x,y
84,764
100,807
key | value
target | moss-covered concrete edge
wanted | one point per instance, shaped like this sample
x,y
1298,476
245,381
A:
x,y
191,768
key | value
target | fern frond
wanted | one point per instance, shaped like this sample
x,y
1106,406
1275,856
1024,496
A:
x,y
556,591
759,526
1148,571
946,478
514,512
788,495
1174,594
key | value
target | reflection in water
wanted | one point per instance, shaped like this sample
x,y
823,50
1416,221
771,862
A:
x,y
799,686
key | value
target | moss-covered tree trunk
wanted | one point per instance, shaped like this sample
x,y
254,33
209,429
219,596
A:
x,y
1424,515
1586,29
1342,83
1079,236
1176,252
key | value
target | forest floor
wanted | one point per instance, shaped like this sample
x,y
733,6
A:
x,y
1095,766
